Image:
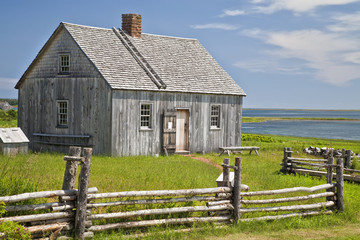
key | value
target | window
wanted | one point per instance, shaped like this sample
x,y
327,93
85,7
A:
x,y
62,113
145,116
64,63
215,116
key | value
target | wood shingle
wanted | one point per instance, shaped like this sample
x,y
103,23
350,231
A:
x,y
182,63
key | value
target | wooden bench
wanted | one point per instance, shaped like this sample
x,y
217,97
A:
x,y
228,150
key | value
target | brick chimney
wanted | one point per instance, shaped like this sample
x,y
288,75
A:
x,y
131,24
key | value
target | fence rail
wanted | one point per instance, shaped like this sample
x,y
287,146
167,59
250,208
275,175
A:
x,y
83,212
316,167
161,193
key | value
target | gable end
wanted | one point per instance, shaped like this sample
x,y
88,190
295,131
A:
x,y
54,63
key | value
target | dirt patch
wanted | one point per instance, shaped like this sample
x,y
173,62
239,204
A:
x,y
351,231
207,161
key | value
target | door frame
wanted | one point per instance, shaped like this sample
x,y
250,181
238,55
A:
x,y
186,128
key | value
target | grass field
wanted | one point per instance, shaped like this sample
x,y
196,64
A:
x,y
44,171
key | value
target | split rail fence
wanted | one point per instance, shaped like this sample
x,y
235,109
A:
x,y
84,212
59,212
318,167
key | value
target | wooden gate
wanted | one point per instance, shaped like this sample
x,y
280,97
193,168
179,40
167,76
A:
x,y
169,131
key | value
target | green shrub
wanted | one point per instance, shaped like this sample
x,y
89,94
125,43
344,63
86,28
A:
x,y
12,114
2,209
8,115
8,118
257,138
11,230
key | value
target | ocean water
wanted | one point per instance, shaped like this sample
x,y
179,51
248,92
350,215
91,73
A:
x,y
301,113
348,130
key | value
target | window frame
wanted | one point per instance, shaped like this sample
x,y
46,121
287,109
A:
x,y
61,66
149,125
215,118
60,119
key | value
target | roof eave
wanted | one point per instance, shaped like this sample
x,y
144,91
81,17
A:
x,y
179,91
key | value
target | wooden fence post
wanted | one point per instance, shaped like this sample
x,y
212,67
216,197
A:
x,y
80,219
237,189
226,172
330,175
71,169
284,168
348,159
340,185
289,153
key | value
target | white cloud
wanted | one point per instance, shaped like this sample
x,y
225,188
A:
x,y
334,57
346,23
268,66
297,6
7,83
312,43
221,26
232,13
7,87
353,57
257,1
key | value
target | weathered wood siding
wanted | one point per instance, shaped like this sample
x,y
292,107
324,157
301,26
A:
x,y
13,148
88,95
129,139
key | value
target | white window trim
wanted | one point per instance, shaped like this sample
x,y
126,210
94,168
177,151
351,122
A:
x,y
146,128
60,66
217,127
58,102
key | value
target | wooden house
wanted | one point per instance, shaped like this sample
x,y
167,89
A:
x,y
5,106
125,92
13,141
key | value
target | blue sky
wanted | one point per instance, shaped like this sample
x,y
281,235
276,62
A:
x,y
283,53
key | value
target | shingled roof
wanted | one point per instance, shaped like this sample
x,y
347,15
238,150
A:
x,y
183,65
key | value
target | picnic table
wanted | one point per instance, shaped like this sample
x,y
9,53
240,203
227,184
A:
x,y
228,150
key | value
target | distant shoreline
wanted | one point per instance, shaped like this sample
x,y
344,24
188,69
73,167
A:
x,y
295,109
264,119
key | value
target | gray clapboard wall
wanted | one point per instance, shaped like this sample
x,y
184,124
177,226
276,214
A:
x,y
129,139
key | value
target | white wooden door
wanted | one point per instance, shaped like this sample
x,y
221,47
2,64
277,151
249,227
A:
x,y
182,130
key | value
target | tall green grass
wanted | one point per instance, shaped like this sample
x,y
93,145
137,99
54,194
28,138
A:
x,y
150,173
113,174
108,174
